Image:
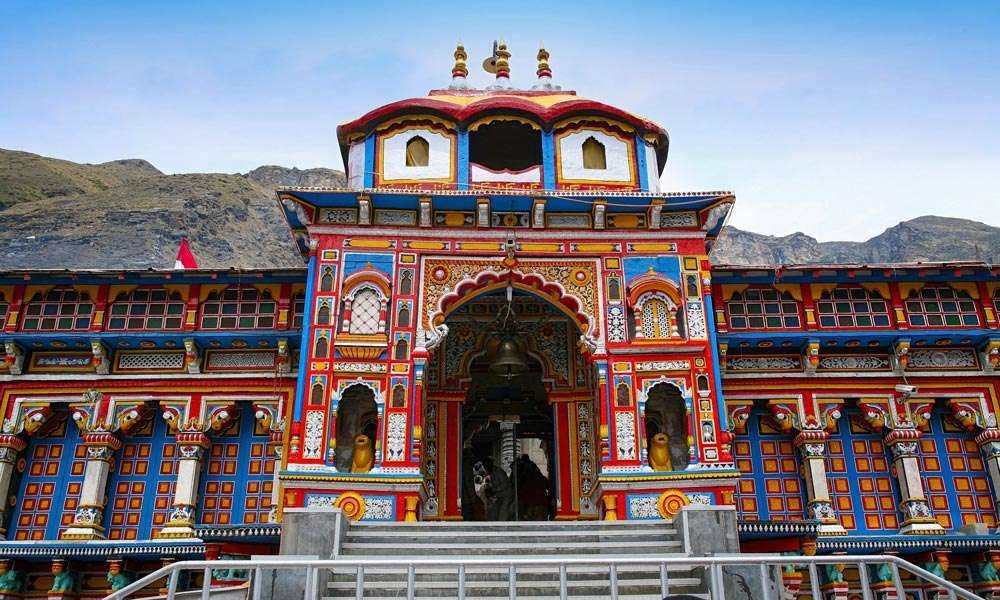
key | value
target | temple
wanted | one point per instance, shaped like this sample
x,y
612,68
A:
x,y
500,292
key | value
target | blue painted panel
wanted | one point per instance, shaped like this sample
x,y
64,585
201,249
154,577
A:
x,y
137,464
667,266
369,178
548,161
43,510
307,317
463,159
713,349
640,161
359,261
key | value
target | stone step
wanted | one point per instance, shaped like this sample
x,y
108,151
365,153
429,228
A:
x,y
573,573
437,533
499,548
509,525
491,538
525,589
655,596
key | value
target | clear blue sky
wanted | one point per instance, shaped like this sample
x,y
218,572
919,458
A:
x,y
836,119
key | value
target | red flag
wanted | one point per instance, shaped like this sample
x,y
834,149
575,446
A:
x,y
185,258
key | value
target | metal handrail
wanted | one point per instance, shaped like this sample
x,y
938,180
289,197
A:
x,y
714,564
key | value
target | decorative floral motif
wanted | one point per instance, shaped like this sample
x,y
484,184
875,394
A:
x,y
616,324
847,362
663,365
643,507
396,447
625,435
696,328
340,216
395,217
763,363
942,359
359,367
321,501
313,443
380,508
684,219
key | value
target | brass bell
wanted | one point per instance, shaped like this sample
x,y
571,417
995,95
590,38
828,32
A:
x,y
509,359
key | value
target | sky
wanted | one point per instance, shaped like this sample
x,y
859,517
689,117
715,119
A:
x,y
836,119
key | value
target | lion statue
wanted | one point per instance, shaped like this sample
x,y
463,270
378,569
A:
x,y
659,453
363,458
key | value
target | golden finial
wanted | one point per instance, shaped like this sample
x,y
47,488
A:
x,y
460,69
503,58
543,63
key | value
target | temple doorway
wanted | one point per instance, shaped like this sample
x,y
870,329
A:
x,y
509,416
507,450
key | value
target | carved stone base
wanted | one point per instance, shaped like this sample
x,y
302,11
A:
x,y
922,528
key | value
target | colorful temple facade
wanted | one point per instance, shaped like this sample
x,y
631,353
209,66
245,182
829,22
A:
x,y
500,277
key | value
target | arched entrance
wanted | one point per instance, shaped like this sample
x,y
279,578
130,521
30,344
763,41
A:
x,y
502,419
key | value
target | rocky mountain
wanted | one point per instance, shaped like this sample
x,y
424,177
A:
x,y
126,214
926,238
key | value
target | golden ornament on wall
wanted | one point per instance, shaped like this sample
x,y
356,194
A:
x,y
670,503
352,504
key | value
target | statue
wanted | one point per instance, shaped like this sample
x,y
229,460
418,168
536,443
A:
x,y
659,453
11,582
116,577
835,573
63,582
363,458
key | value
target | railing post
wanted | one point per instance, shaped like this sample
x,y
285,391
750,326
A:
x,y
258,583
866,590
206,583
814,582
512,582
359,584
900,592
765,585
715,572
461,582
664,585
613,580
563,592
411,576
172,582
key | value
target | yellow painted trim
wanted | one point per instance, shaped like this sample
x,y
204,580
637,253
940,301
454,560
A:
x,y
969,287
540,247
817,289
413,119
881,287
475,125
908,287
363,243
596,247
728,289
653,247
422,245
793,289
480,246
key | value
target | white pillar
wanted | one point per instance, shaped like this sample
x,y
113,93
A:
x,y
191,448
88,522
10,448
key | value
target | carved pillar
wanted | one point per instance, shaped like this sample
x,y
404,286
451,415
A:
x,y
89,518
10,447
918,517
989,445
812,444
191,446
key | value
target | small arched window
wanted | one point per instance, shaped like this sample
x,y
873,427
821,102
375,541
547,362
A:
x,y
614,289
317,394
4,307
323,314
403,316
365,312
406,282
326,282
594,154
239,308
322,348
622,395
402,349
656,319
941,307
149,309
59,309
298,310
417,152
398,397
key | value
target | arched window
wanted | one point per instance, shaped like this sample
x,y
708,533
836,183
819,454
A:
x,y
298,310
403,316
852,307
59,309
146,309
956,483
402,349
614,289
239,308
323,314
656,317
417,152
862,486
406,282
322,348
594,154
4,309
623,397
666,413
770,487
317,394
326,281
763,309
366,312
941,307
398,396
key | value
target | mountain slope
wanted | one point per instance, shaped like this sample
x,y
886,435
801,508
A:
x,y
126,214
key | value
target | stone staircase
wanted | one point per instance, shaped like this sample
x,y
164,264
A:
x,y
458,542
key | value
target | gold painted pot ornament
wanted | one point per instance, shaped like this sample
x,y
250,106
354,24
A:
x,y
659,453
363,458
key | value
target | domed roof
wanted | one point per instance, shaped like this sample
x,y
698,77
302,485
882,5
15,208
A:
x,y
545,103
